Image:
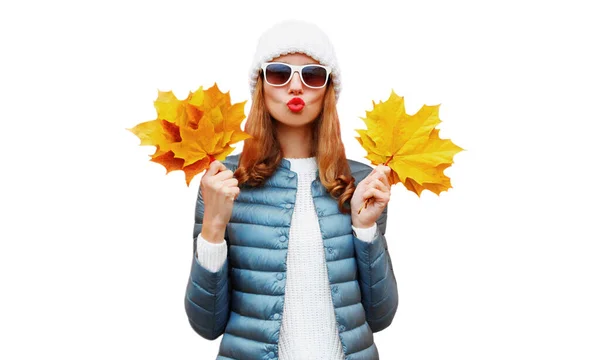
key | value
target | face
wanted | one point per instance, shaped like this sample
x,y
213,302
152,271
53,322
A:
x,y
280,100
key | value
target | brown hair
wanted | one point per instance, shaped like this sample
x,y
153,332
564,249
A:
x,y
262,153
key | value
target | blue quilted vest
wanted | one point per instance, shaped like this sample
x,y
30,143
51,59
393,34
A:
x,y
243,301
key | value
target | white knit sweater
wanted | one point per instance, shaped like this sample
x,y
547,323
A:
x,y
308,325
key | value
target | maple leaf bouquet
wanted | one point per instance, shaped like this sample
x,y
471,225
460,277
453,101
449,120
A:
x,y
409,144
189,134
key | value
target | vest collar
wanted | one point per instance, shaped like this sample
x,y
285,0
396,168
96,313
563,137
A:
x,y
285,164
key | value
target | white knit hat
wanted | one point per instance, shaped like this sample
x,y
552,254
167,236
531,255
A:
x,y
295,36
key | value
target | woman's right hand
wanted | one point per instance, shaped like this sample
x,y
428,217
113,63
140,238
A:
x,y
219,190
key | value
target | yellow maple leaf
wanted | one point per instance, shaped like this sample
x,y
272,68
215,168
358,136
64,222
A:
x,y
409,144
189,134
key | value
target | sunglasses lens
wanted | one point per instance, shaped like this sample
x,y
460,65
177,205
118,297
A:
x,y
277,74
314,76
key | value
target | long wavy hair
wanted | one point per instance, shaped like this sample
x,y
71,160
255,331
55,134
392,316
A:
x,y
262,153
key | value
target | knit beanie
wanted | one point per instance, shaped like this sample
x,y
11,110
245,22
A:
x,y
295,36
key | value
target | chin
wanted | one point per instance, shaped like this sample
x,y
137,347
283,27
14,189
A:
x,y
295,122
293,119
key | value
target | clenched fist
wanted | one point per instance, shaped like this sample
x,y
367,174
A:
x,y
219,190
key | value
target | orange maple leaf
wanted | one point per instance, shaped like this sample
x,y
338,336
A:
x,y
409,144
189,134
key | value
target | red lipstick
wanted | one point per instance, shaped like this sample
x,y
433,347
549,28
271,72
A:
x,y
296,104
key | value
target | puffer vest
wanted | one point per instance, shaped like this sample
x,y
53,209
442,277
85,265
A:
x,y
243,300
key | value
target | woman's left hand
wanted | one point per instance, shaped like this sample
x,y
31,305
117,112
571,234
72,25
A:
x,y
377,186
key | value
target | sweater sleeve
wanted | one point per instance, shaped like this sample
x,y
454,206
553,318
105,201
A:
x,y
365,234
377,281
210,255
208,293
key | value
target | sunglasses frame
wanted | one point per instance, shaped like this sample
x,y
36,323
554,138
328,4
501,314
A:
x,y
296,69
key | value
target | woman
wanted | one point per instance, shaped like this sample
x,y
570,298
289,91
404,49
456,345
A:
x,y
285,266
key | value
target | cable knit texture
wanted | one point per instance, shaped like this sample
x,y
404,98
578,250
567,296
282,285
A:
x,y
295,281
210,255
308,329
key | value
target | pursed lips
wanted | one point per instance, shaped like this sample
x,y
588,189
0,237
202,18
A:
x,y
296,104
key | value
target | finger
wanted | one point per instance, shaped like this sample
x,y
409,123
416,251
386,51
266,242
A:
x,y
379,172
215,167
384,173
229,183
232,193
224,175
381,185
379,169
362,184
374,182
377,176
367,179
379,195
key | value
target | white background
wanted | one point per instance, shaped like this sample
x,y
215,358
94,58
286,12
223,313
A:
x,y
96,241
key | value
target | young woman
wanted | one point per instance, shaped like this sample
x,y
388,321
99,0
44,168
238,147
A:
x,y
285,266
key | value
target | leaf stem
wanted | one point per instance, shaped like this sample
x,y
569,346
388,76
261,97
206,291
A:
x,y
388,160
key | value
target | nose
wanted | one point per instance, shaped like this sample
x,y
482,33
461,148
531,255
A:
x,y
295,84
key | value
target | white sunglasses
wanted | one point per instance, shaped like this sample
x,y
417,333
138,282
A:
x,y
314,76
